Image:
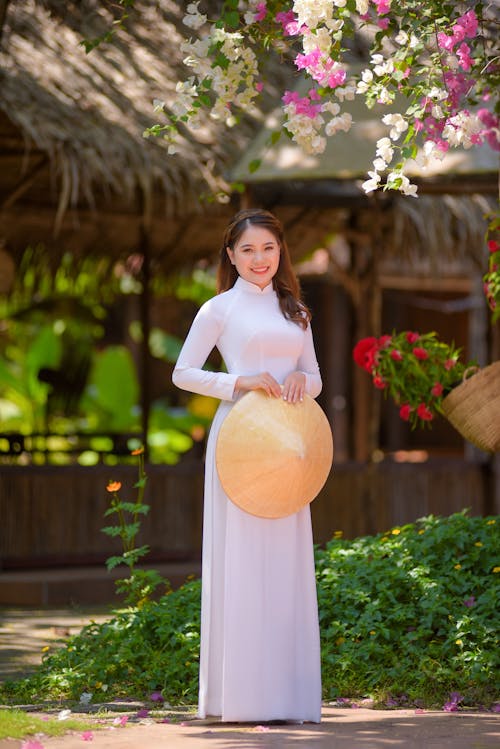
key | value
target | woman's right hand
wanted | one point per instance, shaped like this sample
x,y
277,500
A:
x,y
263,381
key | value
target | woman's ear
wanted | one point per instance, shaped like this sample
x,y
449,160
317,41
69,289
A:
x,y
230,253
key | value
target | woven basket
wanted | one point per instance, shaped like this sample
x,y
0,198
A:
x,y
473,408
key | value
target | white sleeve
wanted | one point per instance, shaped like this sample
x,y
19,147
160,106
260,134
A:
x,y
188,373
308,364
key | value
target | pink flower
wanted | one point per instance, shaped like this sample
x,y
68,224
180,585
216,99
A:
x,y
468,22
469,602
383,23
412,337
424,413
383,6
288,22
396,355
261,12
405,412
449,364
121,721
87,736
463,54
420,353
437,390
31,745
156,697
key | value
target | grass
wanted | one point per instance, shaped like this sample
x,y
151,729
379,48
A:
x,y
17,724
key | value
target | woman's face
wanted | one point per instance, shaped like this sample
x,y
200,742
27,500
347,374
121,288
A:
x,y
256,255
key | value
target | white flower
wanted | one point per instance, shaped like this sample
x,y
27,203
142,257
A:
x,y
158,105
399,125
194,19
321,39
367,75
379,164
63,714
385,96
414,41
343,122
371,184
401,37
437,112
439,94
313,13
347,92
362,7
385,150
404,186
85,698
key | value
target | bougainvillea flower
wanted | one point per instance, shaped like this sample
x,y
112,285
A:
x,y
396,355
114,486
87,736
364,353
31,745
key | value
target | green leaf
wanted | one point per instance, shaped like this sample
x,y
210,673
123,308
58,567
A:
x,y
254,165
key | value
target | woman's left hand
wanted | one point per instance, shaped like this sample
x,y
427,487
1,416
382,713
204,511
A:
x,y
294,387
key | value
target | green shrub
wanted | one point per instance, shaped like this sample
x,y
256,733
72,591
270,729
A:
x,y
406,617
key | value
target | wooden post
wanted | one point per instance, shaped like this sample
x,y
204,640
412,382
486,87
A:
x,y
145,313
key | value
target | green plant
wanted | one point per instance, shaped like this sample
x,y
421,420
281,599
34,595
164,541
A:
x,y
17,724
406,617
492,278
139,586
416,370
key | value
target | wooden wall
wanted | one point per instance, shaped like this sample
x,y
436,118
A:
x,y
51,516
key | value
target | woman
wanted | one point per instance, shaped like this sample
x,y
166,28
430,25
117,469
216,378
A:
x,y
260,655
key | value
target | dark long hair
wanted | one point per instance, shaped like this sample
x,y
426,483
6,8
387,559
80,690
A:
x,y
285,281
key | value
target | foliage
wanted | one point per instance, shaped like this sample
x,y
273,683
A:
x,y
416,370
432,66
141,584
492,278
16,724
410,614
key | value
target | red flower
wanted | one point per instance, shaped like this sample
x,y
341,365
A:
x,y
437,389
405,411
493,246
412,337
449,364
424,413
396,355
420,353
379,383
383,340
364,353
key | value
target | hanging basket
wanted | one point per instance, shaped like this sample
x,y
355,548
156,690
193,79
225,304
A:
x,y
473,408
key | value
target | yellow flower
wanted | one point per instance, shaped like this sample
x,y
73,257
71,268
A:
x,y
491,522
339,640
396,531
478,543
496,569
457,567
338,534
114,486
420,532
98,684
385,538
372,632
458,642
45,649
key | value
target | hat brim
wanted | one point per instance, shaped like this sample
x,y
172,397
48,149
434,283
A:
x,y
273,457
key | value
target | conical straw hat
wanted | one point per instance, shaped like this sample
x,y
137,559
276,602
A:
x,y
273,457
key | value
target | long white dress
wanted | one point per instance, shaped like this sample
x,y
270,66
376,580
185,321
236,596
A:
x,y
260,651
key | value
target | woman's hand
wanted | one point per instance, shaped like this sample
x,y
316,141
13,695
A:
x,y
263,381
294,387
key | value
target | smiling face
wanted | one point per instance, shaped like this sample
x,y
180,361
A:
x,y
256,255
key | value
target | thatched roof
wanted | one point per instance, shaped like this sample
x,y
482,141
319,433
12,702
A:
x,y
71,126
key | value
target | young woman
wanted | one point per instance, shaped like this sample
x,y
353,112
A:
x,y
260,653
